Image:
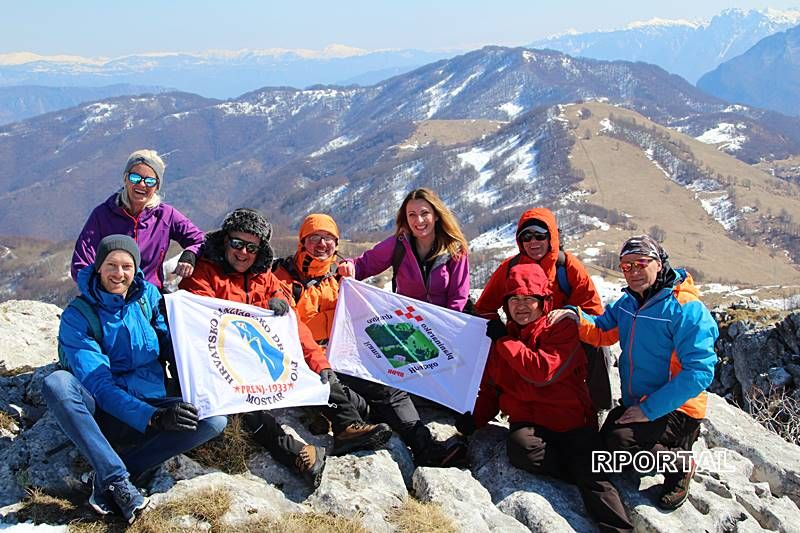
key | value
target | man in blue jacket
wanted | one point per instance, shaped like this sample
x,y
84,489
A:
x,y
111,401
667,338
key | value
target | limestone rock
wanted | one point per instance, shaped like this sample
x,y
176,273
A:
x,y
775,461
252,497
463,499
367,484
28,333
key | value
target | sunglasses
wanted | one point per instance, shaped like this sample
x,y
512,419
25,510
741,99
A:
x,y
136,179
316,239
639,264
238,244
528,236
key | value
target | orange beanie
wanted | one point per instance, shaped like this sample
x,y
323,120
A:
x,y
318,222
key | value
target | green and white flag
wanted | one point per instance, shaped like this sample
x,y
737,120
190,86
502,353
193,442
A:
x,y
414,346
235,358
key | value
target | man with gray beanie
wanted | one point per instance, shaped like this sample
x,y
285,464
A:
x,y
109,397
137,210
667,338
236,265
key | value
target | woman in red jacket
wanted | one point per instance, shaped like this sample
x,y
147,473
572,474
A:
x,y
536,374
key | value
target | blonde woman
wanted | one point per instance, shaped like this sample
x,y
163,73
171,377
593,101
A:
x,y
429,249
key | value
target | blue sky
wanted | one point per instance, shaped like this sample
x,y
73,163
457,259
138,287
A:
x,y
109,28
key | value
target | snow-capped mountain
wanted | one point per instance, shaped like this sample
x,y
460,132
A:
x,y
354,151
217,73
767,75
689,48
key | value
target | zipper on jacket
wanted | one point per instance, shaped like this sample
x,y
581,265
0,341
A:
x,y
630,346
135,225
246,289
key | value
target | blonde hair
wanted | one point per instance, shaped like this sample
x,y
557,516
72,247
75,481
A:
x,y
448,236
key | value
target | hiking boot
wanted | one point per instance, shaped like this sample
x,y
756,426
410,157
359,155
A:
x,y
311,462
675,489
361,436
100,500
128,498
438,454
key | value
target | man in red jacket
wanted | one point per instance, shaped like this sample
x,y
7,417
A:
x,y
536,374
235,265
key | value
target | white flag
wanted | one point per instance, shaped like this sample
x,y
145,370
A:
x,y
235,358
415,346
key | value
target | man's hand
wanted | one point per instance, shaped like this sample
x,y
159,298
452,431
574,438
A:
x,y
183,269
632,415
557,315
496,329
181,416
346,269
278,306
327,375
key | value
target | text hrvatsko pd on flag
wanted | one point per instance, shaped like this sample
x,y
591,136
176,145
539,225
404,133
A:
x,y
414,346
235,358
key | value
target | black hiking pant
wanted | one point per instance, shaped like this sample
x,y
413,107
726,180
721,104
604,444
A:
x,y
567,455
342,410
675,431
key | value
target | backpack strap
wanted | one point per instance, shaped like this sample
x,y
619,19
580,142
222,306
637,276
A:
x,y
90,315
511,264
398,254
298,285
561,273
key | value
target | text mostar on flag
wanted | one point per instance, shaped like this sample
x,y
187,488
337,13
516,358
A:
x,y
414,346
234,358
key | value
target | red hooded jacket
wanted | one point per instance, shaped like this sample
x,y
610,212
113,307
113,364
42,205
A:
x,y
584,294
537,373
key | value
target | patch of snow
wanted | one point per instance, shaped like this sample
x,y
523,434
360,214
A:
x,y
734,108
721,208
503,237
725,135
664,23
704,185
784,304
593,221
463,86
436,96
528,56
591,252
99,113
606,125
609,290
335,144
524,159
511,109
331,197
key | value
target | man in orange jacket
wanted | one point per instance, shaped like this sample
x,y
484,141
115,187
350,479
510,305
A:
x,y
235,265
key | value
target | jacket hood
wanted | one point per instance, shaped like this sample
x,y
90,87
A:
x,y
214,251
528,279
90,288
548,262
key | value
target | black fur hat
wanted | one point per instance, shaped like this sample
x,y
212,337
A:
x,y
246,221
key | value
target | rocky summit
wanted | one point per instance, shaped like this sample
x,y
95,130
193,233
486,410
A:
x,y
748,478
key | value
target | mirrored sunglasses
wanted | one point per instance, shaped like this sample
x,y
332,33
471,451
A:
x,y
136,179
238,244
316,239
528,236
639,264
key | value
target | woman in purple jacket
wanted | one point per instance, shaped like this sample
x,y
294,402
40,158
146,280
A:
x,y
434,266
137,211
430,253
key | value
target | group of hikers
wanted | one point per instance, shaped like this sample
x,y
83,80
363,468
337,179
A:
x,y
110,396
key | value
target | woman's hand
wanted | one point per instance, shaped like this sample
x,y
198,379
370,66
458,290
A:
x,y
557,315
346,269
183,269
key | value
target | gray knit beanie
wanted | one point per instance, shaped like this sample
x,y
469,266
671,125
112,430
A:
x,y
149,158
111,243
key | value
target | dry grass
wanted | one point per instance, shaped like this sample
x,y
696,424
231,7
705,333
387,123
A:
x,y
759,316
228,452
416,516
41,508
303,523
450,132
206,506
11,372
7,422
776,410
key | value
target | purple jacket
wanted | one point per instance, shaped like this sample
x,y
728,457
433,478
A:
x,y
448,282
152,230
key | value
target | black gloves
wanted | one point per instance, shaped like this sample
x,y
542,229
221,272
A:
x,y
495,329
181,416
278,306
327,375
465,424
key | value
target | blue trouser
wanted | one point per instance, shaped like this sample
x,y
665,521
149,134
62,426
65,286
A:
x,y
96,434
